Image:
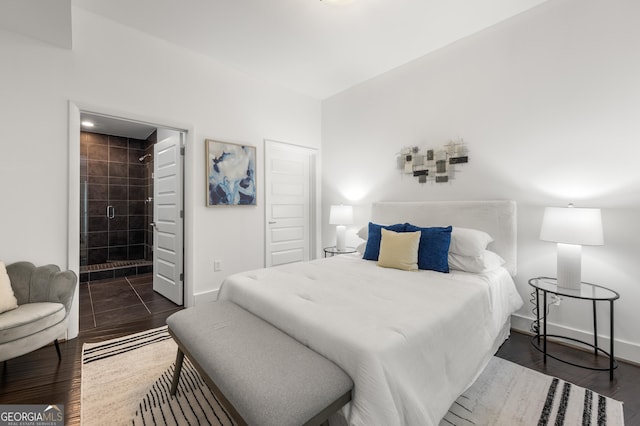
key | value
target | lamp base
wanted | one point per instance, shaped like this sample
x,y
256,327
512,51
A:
x,y
341,238
569,266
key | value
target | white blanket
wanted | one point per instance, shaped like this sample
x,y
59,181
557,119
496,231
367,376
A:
x,y
411,341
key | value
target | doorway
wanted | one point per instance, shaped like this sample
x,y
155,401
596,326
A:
x,y
116,184
120,236
290,203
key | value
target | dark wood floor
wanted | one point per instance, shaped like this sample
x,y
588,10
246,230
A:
x,y
108,309
38,378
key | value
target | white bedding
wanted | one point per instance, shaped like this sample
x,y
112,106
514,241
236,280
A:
x,y
411,341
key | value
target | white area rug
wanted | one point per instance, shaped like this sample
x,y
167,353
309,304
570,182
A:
x,y
127,381
509,394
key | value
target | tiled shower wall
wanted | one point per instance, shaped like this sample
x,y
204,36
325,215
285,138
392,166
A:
x,y
112,175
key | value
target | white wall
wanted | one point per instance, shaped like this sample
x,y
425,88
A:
x,y
548,103
118,69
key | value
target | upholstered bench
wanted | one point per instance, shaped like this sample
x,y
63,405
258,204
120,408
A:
x,y
262,376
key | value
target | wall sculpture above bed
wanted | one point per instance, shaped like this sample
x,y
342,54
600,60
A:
x,y
497,218
433,165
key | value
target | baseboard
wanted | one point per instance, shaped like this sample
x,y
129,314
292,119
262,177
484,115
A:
x,y
207,296
623,351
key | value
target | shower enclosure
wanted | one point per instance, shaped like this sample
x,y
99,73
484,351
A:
x,y
116,188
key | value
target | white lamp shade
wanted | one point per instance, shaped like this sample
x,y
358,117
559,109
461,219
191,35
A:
x,y
341,215
571,225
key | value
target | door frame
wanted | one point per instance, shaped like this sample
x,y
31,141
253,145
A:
x,y
314,197
73,213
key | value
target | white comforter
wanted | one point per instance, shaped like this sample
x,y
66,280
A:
x,y
411,341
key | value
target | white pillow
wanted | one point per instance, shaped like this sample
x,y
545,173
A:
x,y
469,242
486,262
363,233
7,299
361,247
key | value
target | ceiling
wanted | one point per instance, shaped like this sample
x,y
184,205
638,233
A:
x,y
314,47
45,20
317,48
115,126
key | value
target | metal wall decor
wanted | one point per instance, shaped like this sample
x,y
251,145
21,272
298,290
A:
x,y
435,165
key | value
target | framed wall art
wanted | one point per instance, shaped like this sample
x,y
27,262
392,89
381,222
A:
x,y
231,174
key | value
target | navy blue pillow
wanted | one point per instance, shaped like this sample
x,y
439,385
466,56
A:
x,y
433,250
372,251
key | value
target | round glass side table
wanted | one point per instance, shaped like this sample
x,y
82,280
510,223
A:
x,y
590,292
333,251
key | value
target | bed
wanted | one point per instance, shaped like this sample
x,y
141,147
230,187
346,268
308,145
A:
x,y
411,341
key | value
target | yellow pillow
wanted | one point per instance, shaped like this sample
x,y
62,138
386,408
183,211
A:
x,y
399,250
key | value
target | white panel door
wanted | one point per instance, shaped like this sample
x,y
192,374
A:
x,y
167,208
289,203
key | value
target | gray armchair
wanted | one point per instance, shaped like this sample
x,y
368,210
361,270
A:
x,y
44,296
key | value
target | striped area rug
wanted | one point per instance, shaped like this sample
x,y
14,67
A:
x,y
509,394
127,381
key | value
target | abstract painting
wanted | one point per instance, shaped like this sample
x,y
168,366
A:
x,y
231,174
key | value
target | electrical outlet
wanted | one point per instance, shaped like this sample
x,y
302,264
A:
x,y
556,300
217,265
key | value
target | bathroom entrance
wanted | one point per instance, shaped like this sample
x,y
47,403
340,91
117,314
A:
x,y
126,237
116,204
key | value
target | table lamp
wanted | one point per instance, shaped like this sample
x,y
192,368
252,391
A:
x,y
571,228
341,215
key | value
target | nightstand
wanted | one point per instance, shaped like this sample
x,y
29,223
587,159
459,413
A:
x,y
333,251
590,292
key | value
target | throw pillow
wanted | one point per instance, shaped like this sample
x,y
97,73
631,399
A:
x,y
8,300
434,247
399,250
372,250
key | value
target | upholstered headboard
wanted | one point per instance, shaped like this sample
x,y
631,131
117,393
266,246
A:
x,y
496,217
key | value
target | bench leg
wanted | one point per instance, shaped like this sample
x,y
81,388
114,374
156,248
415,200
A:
x,y
176,373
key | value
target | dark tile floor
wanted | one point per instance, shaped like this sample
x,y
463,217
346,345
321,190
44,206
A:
x,y
118,301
